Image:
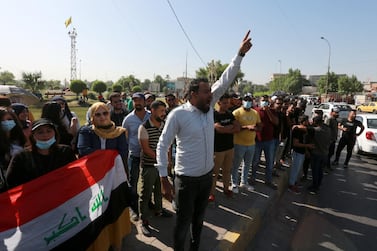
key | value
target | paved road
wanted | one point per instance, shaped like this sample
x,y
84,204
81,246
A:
x,y
343,216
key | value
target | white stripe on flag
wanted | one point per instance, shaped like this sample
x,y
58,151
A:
x,y
60,224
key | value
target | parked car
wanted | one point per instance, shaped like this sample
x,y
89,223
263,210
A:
x,y
313,100
368,107
326,108
367,141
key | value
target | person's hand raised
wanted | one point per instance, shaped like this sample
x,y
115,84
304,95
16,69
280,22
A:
x,y
245,44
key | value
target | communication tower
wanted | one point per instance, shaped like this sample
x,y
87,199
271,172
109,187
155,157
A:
x,y
73,34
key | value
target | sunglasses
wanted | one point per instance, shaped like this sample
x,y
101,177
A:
x,y
99,114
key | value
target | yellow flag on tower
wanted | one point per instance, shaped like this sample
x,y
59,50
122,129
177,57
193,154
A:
x,y
68,22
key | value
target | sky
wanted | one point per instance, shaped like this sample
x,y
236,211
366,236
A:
x,y
143,37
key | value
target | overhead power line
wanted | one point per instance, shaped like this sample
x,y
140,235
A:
x,y
187,36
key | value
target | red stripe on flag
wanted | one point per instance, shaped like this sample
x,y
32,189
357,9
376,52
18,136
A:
x,y
50,190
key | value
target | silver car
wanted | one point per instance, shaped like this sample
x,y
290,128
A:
x,y
326,108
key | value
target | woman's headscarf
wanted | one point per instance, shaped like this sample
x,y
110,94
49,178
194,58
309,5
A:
x,y
109,131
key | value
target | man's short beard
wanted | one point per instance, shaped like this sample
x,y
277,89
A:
x,y
139,108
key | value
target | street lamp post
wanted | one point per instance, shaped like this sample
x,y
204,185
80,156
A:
x,y
328,65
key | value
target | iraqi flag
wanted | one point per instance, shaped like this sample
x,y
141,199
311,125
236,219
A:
x,y
81,206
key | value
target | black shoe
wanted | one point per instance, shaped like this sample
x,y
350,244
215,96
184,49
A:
x,y
312,190
145,229
345,166
164,213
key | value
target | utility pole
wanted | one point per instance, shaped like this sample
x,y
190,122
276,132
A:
x,y
328,66
73,34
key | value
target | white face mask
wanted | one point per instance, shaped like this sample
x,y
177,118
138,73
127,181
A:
x,y
247,104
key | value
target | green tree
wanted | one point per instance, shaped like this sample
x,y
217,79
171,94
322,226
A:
x,y
349,85
294,82
333,83
161,81
117,88
128,82
33,80
146,84
53,84
99,86
290,83
214,70
136,88
77,86
6,77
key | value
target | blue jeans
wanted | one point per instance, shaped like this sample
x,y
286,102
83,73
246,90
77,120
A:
x,y
246,154
268,148
297,162
134,166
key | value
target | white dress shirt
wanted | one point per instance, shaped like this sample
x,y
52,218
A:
x,y
194,132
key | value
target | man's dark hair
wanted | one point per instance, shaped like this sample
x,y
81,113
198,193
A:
x,y
279,98
225,96
170,95
194,85
319,112
318,120
302,119
155,104
114,95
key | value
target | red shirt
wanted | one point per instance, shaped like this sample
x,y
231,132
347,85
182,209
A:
x,y
267,132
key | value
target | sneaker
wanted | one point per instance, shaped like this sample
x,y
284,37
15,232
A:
x,y
235,189
247,187
345,166
312,190
164,213
145,229
211,198
228,193
294,189
335,163
272,185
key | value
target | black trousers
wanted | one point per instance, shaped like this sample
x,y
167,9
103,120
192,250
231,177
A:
x,y
331,153
191,198
345,141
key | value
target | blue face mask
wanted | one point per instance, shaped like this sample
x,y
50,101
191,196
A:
x,y
263,103
247,104
43,145
8,125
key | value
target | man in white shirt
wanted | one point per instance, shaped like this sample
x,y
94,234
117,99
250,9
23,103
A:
x,y
191,125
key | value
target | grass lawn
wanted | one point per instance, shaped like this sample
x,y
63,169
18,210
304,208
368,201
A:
x,y
80,111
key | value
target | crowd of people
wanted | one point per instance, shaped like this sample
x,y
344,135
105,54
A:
x,y
213,132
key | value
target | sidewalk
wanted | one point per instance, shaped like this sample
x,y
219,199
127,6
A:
x,y
230,223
